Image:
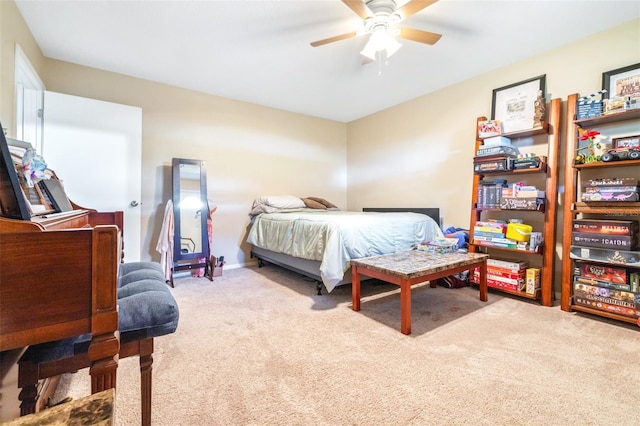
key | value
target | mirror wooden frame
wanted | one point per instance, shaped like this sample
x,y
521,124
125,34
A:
x,y
190,259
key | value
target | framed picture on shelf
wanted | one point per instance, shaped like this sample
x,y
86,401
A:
x,y
489,128
623,81
515,105
626,142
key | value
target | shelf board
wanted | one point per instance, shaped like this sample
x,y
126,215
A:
x,y
607,263
524,133
610,118
498,209
599,207
604,314
526,295
538,252
602,164
541,169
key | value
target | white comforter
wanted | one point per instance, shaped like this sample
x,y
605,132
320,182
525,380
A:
x,y
336,237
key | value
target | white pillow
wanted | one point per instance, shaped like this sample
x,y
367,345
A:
x,y
282,201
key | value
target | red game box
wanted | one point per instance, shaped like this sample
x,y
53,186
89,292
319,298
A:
x,y
609,227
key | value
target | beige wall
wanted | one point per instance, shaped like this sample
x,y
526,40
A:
x,y
420,153
13,30
416,154
249,150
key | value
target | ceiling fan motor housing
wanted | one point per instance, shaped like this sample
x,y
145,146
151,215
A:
x,y
383,15
381,7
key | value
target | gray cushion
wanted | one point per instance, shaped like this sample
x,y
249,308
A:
x,y
152,312
140,274
141,286
146,308
127,267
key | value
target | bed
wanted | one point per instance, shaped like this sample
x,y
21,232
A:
x,y
319,242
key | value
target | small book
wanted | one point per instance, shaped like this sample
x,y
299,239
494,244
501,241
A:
x,y
53,188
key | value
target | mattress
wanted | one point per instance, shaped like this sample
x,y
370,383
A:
x,y
333,238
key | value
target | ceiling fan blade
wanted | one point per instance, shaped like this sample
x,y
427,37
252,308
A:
x,y
412,7
358,7
334,38
418,35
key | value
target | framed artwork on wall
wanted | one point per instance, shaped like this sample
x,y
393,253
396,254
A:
x,y
623,81
515,105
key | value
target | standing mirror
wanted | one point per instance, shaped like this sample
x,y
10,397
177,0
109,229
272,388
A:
x,y
190,214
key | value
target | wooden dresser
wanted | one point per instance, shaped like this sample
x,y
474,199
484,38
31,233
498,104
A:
x,y
58,279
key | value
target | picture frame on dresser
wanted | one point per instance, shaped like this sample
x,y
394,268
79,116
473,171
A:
x,y
19,199
13,203
623,81
514,105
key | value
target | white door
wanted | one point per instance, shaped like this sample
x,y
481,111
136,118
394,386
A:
x,y
95,149
29,99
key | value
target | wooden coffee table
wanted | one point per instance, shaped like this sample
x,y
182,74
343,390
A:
x,y
413,267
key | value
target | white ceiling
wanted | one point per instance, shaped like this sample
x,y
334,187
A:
x,y
258,51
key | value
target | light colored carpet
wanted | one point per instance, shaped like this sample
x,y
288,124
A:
x,y
258,347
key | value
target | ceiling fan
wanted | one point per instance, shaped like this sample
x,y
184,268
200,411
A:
x,y
381,19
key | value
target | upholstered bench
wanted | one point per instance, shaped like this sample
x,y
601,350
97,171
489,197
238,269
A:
x,y
146,309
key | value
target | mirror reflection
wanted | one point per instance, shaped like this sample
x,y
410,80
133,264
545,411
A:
x,y
191,207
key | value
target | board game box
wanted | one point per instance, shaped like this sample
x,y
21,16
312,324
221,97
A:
x,y
622,242
590,293
626,181
627,196
577,279
614,309
620,257
608,227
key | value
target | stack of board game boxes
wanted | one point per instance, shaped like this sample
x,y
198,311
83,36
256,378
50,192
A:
x,y
514,236
603,250
513,275
492,233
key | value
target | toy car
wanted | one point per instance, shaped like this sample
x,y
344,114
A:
x,y
617,154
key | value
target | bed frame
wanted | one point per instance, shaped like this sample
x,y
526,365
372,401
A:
x,y
311,268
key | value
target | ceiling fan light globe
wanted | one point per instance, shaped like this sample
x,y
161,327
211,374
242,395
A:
x,y
378,41
392,47
369,52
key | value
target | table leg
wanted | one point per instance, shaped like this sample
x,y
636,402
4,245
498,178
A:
x,y
405,307
483,281
355,288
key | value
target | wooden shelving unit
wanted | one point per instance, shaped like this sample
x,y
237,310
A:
x,y
547,134
574,209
